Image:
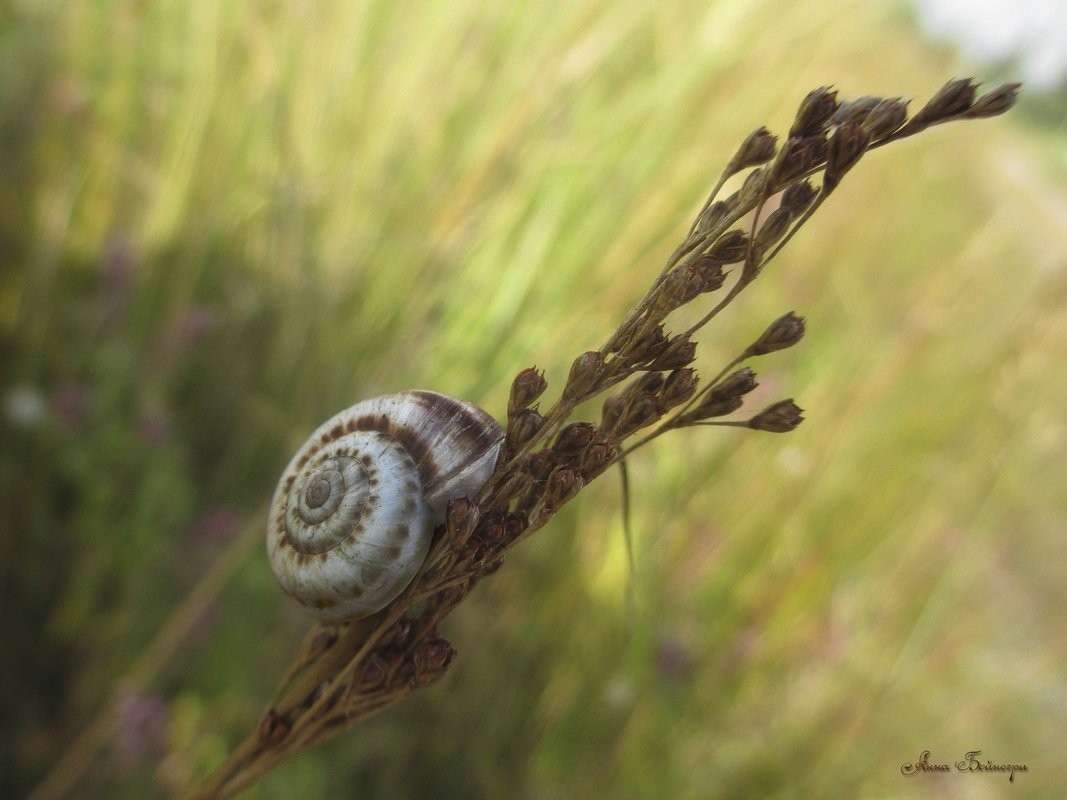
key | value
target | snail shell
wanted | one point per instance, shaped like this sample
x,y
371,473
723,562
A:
x,y
355,510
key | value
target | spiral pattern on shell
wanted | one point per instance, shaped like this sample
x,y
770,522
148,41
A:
x,y
354,512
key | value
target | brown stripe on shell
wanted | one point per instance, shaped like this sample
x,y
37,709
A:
x,y
470,428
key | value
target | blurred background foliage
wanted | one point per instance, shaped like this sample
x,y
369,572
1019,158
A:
x,y
220,222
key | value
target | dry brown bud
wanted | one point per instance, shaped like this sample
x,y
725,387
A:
x,y
274,727
710,270
642,410
797,157
953,98
649,383
679,387
574,438
798,197
855,110
782,417
712,406
514,525
680,286
774,227
596,458
886,118
461,517
584,375
753,186
813,116
611,413
649,346
563,484
712,215
736,384
848,143
730,248
522,427
784,332
525,389
996,101
541,463
679,353
758,148
430,661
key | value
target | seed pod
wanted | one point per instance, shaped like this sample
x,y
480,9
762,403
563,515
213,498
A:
x,y
525,389
679,353
814,113
522,427
584,375
784,332
730,248
574,438
679,387
886,118
758,148
847,145
781,417
798,196
774,227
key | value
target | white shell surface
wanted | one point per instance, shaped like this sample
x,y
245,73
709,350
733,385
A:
x,y
354,512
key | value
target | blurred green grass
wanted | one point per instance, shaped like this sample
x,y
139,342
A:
x,y
222,222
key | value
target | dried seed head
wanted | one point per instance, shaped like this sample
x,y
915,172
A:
x,y
782,417
522,427
813,116
563,484
776,224
541,463
650,382
525,389
730,248
678,388
736,384
596,458
996,101
758,148
649,346
798,197
430,661
953,98
712,406
680,353
784,332
796,158
712,215
680,286
461,517
854,110
711,271
848,143
753,186
611,413
642,410
574,438
514,525
584,375
886,118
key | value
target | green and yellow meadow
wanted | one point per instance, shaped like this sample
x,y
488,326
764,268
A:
x,y
222,222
